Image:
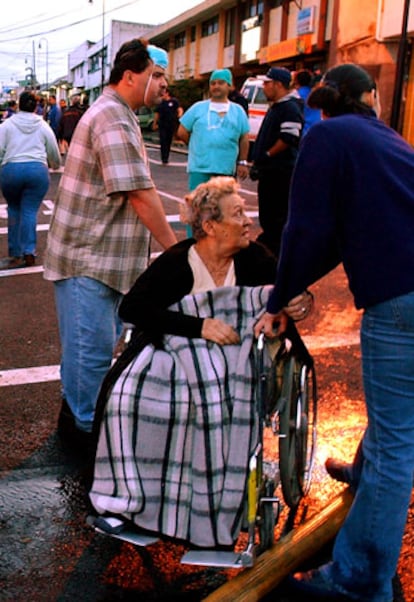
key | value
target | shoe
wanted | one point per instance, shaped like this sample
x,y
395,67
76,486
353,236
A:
x,y
73,439
12,263
66,421
340,471
314,585
29,260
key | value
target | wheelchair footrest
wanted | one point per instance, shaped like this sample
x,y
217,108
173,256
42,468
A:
x,y
115,527
216,558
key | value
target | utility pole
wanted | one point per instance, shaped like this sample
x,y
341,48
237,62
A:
x,y
103,46
34,78
399,77
47,61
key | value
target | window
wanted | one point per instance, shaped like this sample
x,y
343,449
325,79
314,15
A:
x,y
193,33
253,8
179,40
229,35
95,62
209,27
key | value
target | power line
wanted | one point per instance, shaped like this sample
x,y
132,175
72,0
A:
x,y
67,25
31,22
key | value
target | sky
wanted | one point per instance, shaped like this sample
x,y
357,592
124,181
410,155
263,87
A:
x,y
50,29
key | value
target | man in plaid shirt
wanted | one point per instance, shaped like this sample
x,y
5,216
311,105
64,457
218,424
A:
x,y
106,210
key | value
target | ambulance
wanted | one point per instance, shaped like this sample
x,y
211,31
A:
x,y
252,89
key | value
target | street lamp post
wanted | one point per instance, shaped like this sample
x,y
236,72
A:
x,y
47,60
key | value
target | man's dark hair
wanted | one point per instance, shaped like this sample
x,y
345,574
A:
x,y
27,102
303,77
132,56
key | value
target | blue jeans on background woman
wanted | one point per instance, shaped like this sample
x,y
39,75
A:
x,y
24,186
367,548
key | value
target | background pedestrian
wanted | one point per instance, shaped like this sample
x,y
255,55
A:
x,y
28,147
69,120
274,154
54,115
166,121
303,83
217,133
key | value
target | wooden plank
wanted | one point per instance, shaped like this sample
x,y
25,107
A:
x,y
287,554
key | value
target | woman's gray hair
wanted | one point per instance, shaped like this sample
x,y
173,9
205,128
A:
x,y
204,203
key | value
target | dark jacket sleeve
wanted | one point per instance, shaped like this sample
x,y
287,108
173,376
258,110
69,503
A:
x,y
310,247
167,280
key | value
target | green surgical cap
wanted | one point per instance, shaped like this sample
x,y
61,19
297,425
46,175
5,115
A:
x,y
224,74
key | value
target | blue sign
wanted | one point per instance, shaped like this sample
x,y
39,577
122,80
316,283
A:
x,y
306,21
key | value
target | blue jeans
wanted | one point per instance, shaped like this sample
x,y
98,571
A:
x,y
24,186
367,547
89,329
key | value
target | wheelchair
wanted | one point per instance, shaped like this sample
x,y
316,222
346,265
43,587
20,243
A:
x,y
286,403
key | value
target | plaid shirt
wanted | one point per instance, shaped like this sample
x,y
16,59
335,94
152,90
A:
x,y
94,230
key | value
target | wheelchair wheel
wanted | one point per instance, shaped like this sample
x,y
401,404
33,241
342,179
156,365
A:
x,y
297,430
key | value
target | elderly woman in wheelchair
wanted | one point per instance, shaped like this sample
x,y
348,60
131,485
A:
x,y
176,421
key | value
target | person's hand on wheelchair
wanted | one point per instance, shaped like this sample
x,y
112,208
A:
x,y
217,331
273,325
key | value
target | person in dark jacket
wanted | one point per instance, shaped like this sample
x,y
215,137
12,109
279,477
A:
x,y
166,121
69,120
352,201
274,154
238,98
54,115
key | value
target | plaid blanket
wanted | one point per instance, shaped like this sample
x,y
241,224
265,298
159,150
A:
x,y
180,425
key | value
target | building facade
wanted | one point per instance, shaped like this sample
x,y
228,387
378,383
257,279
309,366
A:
x,y
89,65
248,36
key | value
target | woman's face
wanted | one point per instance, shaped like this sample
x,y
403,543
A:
x,y
233,231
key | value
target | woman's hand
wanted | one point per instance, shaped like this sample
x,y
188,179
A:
x,y
219,332
299,307
272,325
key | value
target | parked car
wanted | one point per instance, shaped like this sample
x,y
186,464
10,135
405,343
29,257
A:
x,y
252,89
145,118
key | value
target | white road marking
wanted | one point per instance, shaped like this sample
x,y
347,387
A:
x,y
42,374
170,163
29,376
36,269
49,204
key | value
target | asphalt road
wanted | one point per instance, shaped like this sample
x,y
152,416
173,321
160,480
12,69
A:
x,y
47,551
